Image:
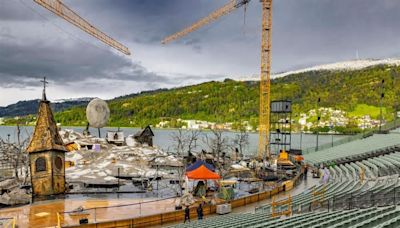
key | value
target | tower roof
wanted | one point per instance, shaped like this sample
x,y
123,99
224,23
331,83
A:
x,y
46,136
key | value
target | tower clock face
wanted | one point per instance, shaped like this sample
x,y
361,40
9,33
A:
x,y
58,163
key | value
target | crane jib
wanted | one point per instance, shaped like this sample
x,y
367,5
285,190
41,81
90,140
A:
x,y
241,3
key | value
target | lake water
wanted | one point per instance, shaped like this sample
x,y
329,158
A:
x,y
164,141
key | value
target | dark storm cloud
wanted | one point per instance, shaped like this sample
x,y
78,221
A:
x,y
19,64
305,32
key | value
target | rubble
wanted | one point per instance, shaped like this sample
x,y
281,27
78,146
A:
x,y
103,163
13,195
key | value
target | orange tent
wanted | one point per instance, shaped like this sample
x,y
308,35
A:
x,y
202,173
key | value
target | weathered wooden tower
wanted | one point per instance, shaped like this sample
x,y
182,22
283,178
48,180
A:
x,y
46,153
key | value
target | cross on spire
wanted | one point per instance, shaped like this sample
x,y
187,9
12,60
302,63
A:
x,y
44,88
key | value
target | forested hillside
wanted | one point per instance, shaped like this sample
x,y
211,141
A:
x,y
234,101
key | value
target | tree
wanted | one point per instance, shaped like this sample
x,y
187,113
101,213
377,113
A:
x,y
218,145
15,154
241,141
180,143
192,138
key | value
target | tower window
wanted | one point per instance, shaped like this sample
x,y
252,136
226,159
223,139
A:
x,y
58,163
40,164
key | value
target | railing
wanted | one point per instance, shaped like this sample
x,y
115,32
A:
x,y
335,143
7,222
126,211
157,217
352,201
385,128
287,203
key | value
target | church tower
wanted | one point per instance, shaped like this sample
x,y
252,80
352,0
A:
x,y
46,153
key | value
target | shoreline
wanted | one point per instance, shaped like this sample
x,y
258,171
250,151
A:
x,y
202,130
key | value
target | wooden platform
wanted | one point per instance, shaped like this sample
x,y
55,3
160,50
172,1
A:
x,y
44,214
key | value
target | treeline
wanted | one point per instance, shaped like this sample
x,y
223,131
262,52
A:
x,y
235,101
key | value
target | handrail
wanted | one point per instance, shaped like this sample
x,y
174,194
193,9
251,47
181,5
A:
x,y
60,215
122,205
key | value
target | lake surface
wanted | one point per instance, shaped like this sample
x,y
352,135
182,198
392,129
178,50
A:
x,y
163,137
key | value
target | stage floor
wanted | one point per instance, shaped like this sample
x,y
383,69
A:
x,y
44,214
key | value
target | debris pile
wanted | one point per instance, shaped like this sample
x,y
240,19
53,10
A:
x,y
12,194
95,161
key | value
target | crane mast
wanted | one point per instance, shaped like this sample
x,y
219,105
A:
x,y
63,11
265,75
265,81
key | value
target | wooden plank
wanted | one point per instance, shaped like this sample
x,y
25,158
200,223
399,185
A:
x,y
254,198
169,217
124,223
106,225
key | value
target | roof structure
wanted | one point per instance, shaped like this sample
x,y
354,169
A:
x,y
146,131
45,136
198,163
202,173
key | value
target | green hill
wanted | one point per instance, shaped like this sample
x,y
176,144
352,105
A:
x,y
356,92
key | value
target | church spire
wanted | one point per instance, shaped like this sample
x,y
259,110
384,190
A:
x,y
44,89
45,136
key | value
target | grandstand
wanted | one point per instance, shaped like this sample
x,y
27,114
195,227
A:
x,y
367,218
362,189
355,150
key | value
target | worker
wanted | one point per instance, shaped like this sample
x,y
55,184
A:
x,y
305,172
200,212
187,214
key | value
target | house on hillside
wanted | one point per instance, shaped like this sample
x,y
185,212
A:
x,y
145,136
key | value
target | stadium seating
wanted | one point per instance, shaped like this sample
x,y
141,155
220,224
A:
x,y
363,182
355,218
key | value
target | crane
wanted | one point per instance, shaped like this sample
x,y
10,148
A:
x,y
63,11
265,75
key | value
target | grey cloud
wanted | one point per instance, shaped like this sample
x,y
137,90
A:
x,y
17,10
66,65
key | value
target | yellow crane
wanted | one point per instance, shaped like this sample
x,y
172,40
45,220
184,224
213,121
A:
x,y
63,11
265,75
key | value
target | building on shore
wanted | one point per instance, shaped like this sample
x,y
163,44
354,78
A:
x,y
145,136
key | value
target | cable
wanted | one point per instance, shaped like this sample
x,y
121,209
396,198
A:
x,y
60,28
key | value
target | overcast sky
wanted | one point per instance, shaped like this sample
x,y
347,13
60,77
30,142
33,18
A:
x,y
35,43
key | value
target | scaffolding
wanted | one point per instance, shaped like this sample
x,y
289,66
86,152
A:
x,y
281,126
